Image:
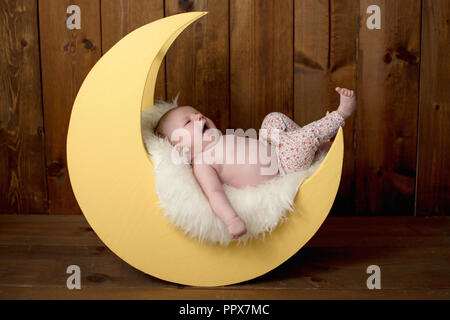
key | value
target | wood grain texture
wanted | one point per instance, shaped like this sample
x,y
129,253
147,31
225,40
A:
x,y
433,176
412,252
120,17
23,185
67,56
197,62
325,36
96,293
261,60
243,60
388,84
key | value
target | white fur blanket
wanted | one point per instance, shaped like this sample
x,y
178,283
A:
x,y
182,201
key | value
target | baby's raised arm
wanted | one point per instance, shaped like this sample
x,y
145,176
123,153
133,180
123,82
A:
x,y
212,187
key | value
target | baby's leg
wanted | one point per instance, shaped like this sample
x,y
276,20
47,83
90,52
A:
x,y
298,148
279,122
324,129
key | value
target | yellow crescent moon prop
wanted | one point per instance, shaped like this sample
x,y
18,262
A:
x,y
111,174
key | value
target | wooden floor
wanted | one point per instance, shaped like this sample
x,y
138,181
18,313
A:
x,y
412,252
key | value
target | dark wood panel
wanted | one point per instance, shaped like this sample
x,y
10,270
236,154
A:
x,y
388,82
325,36
433,177
331,266
23,182
392,232
64,230
237,64
67,57
261,60
120,17
197,62
326,268
50,293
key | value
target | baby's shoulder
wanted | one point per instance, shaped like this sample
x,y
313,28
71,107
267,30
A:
x,y
205,160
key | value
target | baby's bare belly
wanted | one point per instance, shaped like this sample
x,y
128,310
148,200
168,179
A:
x,y
247,162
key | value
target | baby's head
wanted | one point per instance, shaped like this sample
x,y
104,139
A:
x,y
186,122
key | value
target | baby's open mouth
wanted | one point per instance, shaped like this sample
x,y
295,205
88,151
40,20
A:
x,y
205,127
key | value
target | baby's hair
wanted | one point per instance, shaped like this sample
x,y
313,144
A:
x,y
173,105
161,122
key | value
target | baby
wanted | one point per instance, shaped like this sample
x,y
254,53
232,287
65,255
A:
x,y
240,161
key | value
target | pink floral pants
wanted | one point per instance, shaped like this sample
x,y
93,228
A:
x,y
296,146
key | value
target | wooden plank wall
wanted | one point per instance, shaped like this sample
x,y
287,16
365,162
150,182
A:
x,y
388,83
261,60
23,183
244,59
433,176
198,60
324,58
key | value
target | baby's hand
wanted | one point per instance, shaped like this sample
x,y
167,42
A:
x,y
236,227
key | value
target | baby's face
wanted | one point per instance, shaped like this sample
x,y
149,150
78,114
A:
x,y
190,120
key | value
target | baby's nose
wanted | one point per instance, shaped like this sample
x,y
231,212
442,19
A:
x,y
198,116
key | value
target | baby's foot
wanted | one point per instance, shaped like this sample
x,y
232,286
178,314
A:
x,y
348,102
236,228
